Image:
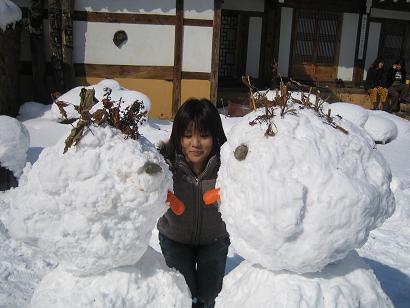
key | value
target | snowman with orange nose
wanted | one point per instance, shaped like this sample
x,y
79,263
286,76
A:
x,y
297,202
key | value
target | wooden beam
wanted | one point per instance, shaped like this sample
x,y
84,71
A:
x,y
125,18
178,46
245,13
124,71
198,22
129,18
121,71
216,38
196,75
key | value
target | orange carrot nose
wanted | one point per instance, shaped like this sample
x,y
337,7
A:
x,y
176,205
211,196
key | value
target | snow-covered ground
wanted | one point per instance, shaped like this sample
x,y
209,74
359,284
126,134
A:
x,y
387,251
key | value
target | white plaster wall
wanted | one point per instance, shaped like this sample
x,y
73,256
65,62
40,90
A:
x,y
199,9
372,45
254,46
166,7
146,45
244,5
380,13
197,49
284,40
348,46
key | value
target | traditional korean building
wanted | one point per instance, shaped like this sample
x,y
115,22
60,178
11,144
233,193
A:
x,y
175,49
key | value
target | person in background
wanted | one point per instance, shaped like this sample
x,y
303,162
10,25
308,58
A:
x,y
396,84
375,84
196,242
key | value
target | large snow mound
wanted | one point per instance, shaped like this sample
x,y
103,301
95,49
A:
x,y
382,130
127,96
149,283
354,113
21,270
294,95
349,283
95,206
14,144
10,13
305,197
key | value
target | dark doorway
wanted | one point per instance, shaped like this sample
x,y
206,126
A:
x,y
395,42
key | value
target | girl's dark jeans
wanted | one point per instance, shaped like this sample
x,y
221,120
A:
x,y
203,266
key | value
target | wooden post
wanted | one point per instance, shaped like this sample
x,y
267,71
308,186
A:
x,y
9,70
56,54
267,52
361,43
179,35
216,37
41,91
67,10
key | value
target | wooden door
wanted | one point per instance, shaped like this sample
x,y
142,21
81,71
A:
x,y
315,46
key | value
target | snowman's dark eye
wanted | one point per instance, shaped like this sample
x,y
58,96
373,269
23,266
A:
x,y
240,152
151,168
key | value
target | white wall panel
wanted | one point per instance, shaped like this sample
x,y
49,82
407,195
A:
x,y
146,45
284,40
372,45
254,46
199,9
244,5
197,49
166,7
348,46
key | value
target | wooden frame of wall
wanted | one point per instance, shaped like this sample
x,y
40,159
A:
x,y
167,73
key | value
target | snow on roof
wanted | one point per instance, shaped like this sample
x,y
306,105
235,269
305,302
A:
x,y
10,13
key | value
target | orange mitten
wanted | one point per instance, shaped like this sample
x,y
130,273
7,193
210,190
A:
x,y
176,205
211,196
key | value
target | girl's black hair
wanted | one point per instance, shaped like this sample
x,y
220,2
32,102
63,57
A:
x,y
377,61
401,62
205,118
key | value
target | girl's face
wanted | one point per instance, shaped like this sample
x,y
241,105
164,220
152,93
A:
x,y
381,64
196,147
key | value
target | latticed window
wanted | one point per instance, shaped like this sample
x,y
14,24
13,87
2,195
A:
x,y
229,25
315,37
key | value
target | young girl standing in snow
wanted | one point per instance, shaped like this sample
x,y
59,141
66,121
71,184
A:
x,y
196,242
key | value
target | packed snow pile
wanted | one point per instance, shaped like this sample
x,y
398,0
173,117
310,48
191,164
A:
x,y
304,197
349,283
95,206
14,144
148,283
10,13
382,130
354,113
117,92
21,269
